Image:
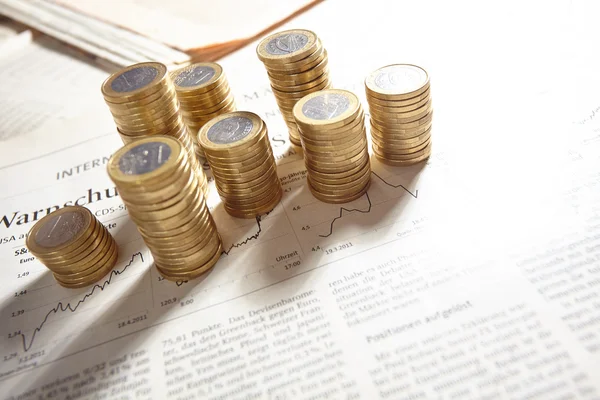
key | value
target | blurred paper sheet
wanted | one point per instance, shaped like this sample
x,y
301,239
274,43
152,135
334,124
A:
x,y
194,25
47,93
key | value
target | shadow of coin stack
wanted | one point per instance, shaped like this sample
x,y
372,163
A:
x,y
239,153
401,114
143,102
296,63
334,139
164,199
74,245
203,93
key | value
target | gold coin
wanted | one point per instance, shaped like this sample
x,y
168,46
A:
x,y
247,179
69,265
168,98
334,165
347,192
258,197
204,244
146,159
400,143
287,47
242,188
198,256
196,205
400,134
109,263
405,157
399,126
336,199
134,82
409,116
231,132
197,78
399,103
193,273
173,232
236,168
330,108
338,188
152,101
185,201
192,184
303,65
90,264
402,163
288,88
75,251
326,143
255,212
202,229
60,232
397,82
209,98
388,109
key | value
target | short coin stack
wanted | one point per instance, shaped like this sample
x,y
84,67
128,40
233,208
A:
x,y
143,102
401,114
203,93
334,139
239,153
163,196
297,65
74,245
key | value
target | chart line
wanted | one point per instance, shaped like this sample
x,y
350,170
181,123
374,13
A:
x,y
68,307
415,194
368,210
249,238
348,210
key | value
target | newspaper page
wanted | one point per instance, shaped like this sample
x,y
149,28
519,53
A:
x,y
474,275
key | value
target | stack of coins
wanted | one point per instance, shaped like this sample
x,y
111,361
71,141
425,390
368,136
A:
x,y
164,199
203,93
296,63
401,114
239,153
334,139
143,102
74,245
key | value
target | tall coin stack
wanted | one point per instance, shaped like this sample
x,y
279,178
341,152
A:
x,y
164,198
401,114
239,153
203,93
143,102
296,63
334,139
74,245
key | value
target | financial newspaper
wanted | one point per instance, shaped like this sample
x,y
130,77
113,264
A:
x,y
475,275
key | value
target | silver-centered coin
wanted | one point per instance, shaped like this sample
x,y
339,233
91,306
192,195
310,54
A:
x,y
286,44
144,158
195,76
326,106
230,130
400,78
60,229
134,79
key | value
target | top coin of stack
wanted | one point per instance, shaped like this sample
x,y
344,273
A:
x,y
163,197
297,65
143,102
401,113
334,139
239,153
203,93
74,245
